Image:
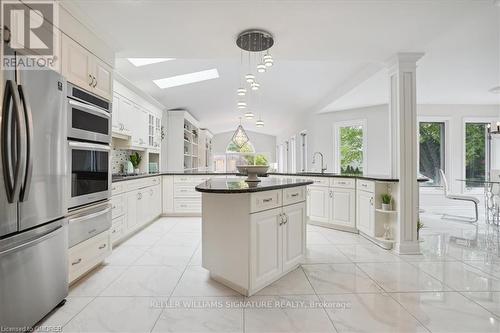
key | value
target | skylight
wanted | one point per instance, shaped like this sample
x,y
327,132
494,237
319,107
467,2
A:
x,y
180,80
138,62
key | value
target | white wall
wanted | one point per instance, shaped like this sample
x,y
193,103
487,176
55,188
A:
x,y
262,143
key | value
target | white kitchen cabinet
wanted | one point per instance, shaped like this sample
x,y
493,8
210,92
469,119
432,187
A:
x,y
318,203
266,247
154,202
365,212
85,70
133,198
343,207
294,235
88,254
140,126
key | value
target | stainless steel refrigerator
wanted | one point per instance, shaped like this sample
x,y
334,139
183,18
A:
x,y
33,230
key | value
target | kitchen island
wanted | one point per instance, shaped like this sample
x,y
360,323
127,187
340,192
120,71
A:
x,y
252,233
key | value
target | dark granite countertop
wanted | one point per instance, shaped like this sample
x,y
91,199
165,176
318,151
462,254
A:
x,y
379,178
119,177
240,186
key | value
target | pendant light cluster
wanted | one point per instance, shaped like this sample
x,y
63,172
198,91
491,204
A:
x,y
256,43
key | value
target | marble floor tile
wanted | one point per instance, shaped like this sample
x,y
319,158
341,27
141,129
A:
x,y
448,312
94,282
145,281
294,283
196,281
339,278
367,253
401,277
343,237
460,276
196,259
488,267
125,255
143,238
201,314
324,254
286,314
116,314
180,239
490,300
370,313
165,255
314,237
62,315
187,226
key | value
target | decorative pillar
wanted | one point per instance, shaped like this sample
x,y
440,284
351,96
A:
x,y
403,124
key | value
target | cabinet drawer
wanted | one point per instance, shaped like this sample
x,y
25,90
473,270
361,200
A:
x,y
320,181
86,255
143,182
88,223
117,229
189,179
187,205
117,205
344,182
185,190
366,185
117,188
293,195
265,200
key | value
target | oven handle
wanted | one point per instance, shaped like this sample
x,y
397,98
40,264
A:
x,y
90,216
88,146
89,108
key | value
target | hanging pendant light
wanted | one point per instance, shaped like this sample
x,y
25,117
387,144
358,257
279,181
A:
x,y
240,137
241,92
259,123
250,78
255,86
268,60
242,105
261,68
249,115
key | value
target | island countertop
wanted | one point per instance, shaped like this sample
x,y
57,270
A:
x,y
240,186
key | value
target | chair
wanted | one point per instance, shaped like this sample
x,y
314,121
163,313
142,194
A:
x,y
460,197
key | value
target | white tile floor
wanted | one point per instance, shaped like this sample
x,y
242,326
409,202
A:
x,y
153,282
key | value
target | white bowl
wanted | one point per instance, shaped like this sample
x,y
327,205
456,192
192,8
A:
x,y
252,171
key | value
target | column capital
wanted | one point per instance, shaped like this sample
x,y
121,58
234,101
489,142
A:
x,y
404,60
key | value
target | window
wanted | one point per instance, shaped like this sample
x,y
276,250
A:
x,y
431,151
235,156
293,153
351,145
303,151
476,161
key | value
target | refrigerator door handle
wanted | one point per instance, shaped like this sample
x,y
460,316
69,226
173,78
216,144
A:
x,y
25,189
12,178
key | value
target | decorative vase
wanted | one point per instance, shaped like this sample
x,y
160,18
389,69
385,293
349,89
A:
x,y
386,206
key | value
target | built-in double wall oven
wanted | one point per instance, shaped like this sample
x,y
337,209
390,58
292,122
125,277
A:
x,y
89,139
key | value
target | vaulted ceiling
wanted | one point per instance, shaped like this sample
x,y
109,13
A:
x,y
324,51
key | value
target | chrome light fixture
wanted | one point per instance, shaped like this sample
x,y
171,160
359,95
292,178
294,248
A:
x,y
242,105
259,123
261,68
250,78
241,91
255,86
268,60
249,115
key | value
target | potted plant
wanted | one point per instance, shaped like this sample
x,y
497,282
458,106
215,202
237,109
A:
x,y
420,225
135,159
386,201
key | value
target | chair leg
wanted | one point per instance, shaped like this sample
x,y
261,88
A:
x,y
464,218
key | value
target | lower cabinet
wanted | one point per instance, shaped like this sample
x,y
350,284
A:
x,y
343,207
277,242
365,214
86,255
318,203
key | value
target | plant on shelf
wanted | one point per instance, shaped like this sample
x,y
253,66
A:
x,y
135,159
420,225
386,201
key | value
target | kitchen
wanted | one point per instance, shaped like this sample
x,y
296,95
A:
x,y
220,176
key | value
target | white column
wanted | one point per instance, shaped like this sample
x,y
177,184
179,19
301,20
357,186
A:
x,y
403,118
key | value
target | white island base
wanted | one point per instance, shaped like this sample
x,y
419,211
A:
x,y
250,240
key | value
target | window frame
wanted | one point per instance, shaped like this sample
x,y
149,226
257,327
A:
x,y
303,151
336,142
466,120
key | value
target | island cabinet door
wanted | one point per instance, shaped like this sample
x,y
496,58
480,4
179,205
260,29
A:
x,y
318,202
365,212
266,247
294,235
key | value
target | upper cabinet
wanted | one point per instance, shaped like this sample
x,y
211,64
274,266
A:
x,y
85,70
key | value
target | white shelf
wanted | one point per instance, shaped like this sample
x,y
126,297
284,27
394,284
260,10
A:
x,y
386,211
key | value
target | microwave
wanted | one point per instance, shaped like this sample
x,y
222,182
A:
x,y
89,116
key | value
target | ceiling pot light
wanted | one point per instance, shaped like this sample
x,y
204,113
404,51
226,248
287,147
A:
x,y
255,86
249,115
250,78
241,91
259,123
261,68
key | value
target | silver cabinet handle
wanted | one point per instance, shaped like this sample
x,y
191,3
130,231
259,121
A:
x,y
371,201
91,80
79,260
331,194
281,218
89,216
95,83
294,195
267,200
102,246
92,231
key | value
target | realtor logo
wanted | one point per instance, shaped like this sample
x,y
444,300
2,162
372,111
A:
x,y
30,28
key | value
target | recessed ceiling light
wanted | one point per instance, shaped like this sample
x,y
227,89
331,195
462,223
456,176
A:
x,y
138,62
183,79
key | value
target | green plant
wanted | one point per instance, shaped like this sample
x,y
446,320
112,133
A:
x,y
420,225
135,159
260,160
386,199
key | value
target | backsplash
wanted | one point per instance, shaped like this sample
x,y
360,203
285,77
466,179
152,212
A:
x,y
118,157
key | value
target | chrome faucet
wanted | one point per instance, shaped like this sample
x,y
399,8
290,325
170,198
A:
x,y
323,168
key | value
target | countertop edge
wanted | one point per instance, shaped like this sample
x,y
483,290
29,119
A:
x,y
250,190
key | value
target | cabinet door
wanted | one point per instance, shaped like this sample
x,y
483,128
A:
x,y
343,207
126,114
103,81
318,202
132,209
115,115
365,212
294,235
155,201
266,247
76,62
143,212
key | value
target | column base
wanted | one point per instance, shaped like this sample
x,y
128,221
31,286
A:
x,y
407,248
